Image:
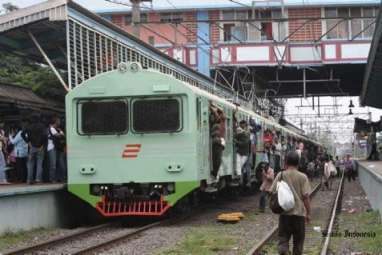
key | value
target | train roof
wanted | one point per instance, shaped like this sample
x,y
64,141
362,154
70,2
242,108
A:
x,y
249,112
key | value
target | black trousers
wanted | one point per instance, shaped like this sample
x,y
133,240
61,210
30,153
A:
x,y
291,225
373,154
21,169
351,174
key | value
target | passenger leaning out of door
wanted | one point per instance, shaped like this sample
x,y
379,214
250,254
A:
x,y
217,130
243,143
36,136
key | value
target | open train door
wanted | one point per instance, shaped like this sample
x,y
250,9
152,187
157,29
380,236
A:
x,y
204,145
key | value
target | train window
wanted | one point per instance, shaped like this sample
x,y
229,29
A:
x,y
156,115
103,117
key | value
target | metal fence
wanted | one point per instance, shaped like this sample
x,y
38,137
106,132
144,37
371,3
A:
x,y
92,52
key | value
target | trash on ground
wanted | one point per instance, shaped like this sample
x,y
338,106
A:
x,y
230,217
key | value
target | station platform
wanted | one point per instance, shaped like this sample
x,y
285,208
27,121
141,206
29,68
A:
x,y
23,189
24,207
370,177
373,166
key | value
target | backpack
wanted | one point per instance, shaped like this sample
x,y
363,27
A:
x,y
283,199
59,142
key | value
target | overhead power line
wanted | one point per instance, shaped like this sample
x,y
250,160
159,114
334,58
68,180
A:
x,y
126,4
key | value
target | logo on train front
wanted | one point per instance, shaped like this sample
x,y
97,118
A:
x,y
131,150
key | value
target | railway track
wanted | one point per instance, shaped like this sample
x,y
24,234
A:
x,y
60,244
57,240
91,240
257,249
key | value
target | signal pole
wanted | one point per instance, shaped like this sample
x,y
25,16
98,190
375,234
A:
x,y
136,16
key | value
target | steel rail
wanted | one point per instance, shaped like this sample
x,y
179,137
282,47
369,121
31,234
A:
x,y
255,250
43,245
106,244
325,247
103,246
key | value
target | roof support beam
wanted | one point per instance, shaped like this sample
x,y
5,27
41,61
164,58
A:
x,y
38,46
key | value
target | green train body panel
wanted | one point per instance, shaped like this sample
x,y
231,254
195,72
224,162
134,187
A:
x,y
158,151
182,189
181,157
82,190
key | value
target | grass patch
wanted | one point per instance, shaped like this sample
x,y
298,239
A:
x,y
252,216
270,248
364,222
10,238
203,240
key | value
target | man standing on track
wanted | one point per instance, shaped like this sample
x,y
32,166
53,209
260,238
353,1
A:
x,y
267,175
292,223
350,169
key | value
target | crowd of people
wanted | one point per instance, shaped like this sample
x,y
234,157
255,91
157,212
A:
x,y
295,174
32,149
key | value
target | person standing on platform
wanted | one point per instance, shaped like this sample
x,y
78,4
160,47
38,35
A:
x,y
21,153
265,188
372,143
37,138
292,222
55,150
3,140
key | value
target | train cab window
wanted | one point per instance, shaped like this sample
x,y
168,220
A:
x,y
156,115
103,117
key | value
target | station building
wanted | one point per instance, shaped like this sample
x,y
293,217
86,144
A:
x,y
287,47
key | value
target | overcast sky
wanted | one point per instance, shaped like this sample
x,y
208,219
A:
x,y
102,5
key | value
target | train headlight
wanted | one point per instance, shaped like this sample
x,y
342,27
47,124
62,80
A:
x,y
135,67
123,67
170,187
95,189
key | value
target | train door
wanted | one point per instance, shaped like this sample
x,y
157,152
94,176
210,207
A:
x,y
233,127
226,135
204,146
229,150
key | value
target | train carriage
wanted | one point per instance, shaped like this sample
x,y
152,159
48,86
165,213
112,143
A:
x,y
139,141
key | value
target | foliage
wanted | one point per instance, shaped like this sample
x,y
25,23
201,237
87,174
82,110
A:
x,y
9,7
20,71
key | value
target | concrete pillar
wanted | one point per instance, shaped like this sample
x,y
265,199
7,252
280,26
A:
x,y
203,32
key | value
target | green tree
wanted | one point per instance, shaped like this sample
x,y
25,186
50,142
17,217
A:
x,y
23,72
9,7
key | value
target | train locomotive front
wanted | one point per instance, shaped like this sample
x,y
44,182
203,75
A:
x,y
131,143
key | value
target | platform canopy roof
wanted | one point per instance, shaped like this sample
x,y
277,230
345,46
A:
x,y
23,97
372,83
79,45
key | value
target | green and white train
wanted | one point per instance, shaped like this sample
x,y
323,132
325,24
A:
x,y
139,141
